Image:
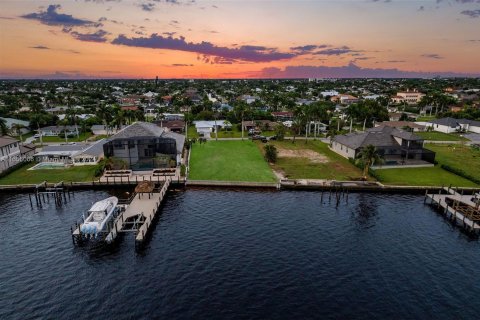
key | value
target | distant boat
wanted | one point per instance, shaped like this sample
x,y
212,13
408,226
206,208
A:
x,y
98,216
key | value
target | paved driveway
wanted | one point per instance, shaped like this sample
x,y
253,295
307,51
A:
x,y
473,137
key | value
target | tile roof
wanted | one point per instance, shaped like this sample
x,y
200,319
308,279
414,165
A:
x,y
6,140
138,129
378,137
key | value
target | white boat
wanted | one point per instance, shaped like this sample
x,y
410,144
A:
x,y
98,216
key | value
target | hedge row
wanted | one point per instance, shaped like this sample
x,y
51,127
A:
x,y
460,173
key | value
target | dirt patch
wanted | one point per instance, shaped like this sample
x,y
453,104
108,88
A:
x,y
313,156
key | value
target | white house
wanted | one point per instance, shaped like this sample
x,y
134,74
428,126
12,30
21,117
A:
x,y
54,131
451,125
77,154
207,127
9,152
330,93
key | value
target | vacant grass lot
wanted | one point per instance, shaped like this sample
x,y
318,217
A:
x,y
463,158
229,161
432,176
440,136
23,176
329,165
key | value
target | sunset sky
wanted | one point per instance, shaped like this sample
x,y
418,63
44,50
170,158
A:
x,y
238,39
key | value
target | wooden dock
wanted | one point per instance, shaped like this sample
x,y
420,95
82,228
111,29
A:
x,y
461,209
136,215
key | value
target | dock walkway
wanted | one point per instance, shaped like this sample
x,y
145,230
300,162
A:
x,y
137,214
460,208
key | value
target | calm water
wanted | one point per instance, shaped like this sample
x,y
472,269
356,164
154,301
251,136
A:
x,y
219,254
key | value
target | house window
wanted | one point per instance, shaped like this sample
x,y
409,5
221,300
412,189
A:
x,y
118,145
131,144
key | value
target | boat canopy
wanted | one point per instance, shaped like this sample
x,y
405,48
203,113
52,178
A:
x,y
101,206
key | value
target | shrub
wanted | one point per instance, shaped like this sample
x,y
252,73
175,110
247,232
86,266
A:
x,y
271,153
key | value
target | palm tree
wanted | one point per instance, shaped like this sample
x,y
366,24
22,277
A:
x,y
3,127
368,156
17,127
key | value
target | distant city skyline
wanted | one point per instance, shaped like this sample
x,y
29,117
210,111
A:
x,y
239,39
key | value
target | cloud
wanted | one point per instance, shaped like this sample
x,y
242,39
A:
x,y
97,36
182,65
308,48
147,6
336,51
432,56
396,61
243,53
349,71
52,18
40,47
471,13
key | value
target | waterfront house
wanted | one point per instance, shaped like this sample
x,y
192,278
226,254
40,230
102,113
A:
x,y
9,152
73,153
451,125
397,147
145,146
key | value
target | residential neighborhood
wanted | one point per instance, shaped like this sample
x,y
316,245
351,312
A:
x,y
147,125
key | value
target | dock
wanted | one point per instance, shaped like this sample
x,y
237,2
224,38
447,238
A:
x,y
461,209
135,214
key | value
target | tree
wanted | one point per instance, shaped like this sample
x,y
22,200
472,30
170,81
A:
x,y
368,156
280,131
271,153
17,128
3,127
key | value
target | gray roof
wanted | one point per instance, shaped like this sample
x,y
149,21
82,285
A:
x,y
11,121
449,122
138,129
64,147
95,149
453,123
6,140
378,137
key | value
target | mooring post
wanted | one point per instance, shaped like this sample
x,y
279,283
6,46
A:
x,y
30,198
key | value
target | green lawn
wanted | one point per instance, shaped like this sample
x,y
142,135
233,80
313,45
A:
x,y
192,132
235,133
331,165
463,158
25,136
229,161
82,137
23,176
432,176
426,118
440,136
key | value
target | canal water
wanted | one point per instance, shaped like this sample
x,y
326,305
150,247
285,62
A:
x,y
226,254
